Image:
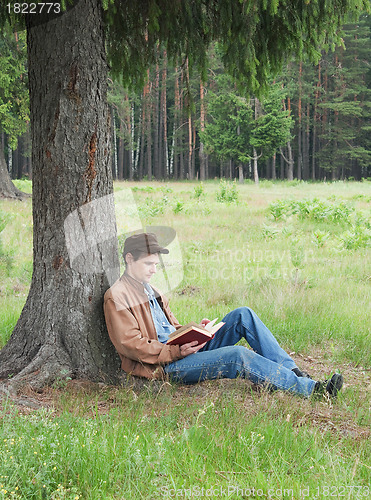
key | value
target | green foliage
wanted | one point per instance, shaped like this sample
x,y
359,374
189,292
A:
x,y
297,253
178,207
270,232
254,38
358,236
318,210
238,126
272,127
319,238
153,208
345,131
14,101
227,132
152,189
314,209
227,192
279,209
199,191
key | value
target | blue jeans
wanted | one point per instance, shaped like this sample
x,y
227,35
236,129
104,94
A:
x,y
266,364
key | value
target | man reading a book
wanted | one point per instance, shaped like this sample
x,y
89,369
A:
x,y
139,322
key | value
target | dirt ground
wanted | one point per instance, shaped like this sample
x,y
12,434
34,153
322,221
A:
x,y
340,417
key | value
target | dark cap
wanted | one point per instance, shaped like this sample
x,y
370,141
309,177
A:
x,y
145,242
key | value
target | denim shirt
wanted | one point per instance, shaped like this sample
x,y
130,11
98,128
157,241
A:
x,y
162,325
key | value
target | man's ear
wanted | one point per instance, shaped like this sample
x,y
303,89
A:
x,y
129,258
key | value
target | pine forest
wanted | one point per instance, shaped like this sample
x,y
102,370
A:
x,y
312,122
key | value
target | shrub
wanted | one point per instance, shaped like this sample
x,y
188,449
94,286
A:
x,y
315,209
152,208
199,191
280,209
319,238
178,207
227,192
356,237
270,231
297,254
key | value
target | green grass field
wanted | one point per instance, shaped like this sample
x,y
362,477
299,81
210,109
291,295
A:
x,y
299,255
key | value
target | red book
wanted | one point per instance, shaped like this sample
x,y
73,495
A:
x,y
193,331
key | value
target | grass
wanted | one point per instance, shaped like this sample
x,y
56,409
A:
x,y
114,443
219,438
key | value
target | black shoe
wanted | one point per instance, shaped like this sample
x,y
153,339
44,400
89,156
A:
x,y
300,373
332,386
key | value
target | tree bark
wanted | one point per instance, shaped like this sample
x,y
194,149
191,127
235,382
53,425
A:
x,y
257,111
121,153
61,331
315,120
256,174
290,163
300,132
165,162
156,108
202,154
306,144
273,164
7,188
240,173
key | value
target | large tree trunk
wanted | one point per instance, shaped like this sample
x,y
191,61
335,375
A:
x,y
290,163
177,167
300,132
7,188
306,144
156,161
165,161
61,331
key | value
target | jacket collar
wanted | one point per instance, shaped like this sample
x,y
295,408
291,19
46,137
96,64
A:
x,y
132,281
126,278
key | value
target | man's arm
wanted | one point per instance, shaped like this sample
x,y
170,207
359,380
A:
x,y
125,334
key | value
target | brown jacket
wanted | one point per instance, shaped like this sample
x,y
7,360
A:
x,y
132,331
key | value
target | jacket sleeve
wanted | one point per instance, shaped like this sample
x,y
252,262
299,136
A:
x,y
125,334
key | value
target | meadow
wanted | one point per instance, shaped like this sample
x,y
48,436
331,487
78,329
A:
x,y
297,253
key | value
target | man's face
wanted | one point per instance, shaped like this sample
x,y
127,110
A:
x,y
144,268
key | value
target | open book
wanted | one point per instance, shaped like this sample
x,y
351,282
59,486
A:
x,y
193,331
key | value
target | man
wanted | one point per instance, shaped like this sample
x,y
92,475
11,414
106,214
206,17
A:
x,y
139,322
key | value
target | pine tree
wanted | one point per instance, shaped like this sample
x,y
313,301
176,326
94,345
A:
x,y
347,106
14,105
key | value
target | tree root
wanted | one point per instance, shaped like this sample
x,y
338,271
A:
x,y
49,364
7,395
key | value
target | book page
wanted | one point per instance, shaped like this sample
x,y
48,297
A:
x,y
210,325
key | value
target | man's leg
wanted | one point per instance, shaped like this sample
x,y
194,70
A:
x,y
243,322
237,361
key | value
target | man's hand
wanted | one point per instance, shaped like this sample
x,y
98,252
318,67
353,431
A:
x,y
204,322
190,348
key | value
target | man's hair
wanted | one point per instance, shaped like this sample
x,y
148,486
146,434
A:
x,y
137,254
